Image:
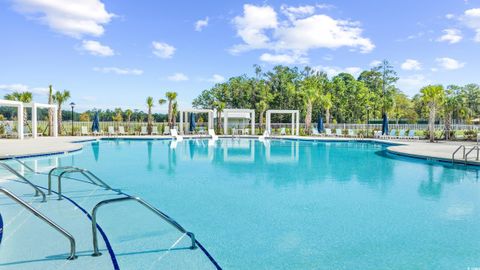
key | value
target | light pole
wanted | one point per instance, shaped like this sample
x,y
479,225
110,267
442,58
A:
x,y
72,105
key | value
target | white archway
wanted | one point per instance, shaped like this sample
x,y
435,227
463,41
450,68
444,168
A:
x,y
295,120
35,107
19,106
227,112
185,111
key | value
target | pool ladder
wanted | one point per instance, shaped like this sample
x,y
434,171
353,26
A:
x,y
466,152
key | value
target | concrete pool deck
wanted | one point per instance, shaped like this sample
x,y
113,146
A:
x,y
419,149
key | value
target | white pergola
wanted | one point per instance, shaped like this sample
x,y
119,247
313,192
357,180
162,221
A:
x,y
295,120
185,111
227,112
19,106
35,107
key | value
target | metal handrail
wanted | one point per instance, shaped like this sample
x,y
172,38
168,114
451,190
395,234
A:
x,y
162,215
70,169
37,190
471,150
44,218
24,164
458,149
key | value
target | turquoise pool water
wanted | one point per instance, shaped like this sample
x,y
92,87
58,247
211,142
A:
x,y
295,204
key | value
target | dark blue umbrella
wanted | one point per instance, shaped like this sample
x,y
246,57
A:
x,y
192,122
384,124
320,123
95,124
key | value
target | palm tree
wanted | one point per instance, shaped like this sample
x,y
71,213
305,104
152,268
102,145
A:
x,y
60,98
433,96
219,106
25,97
311,90
171,96
326,103
174,113
51,111
150,120
128,113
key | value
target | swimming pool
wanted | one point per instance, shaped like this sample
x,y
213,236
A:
x,y
286,204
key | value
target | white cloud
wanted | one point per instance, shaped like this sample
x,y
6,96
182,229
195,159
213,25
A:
x,y
178,77
451,36
333,71
216,78
411,64
119,71
375,63
450,16
96,48
260,28
162,49
200,24
449,63
410,85
285,59
18,87
72,18
471,18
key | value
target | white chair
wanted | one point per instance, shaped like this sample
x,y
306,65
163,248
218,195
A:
x,y
166,131
315,132
111,131
351,133
143,130
175,135
377,134
201,131
411,135
338,132
154,130
84,131
401,134
328,132
211,133
283,131
121,130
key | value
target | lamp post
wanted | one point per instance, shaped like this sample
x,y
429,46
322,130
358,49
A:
x,y
72,105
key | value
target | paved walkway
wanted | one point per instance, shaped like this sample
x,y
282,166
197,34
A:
x,y
46,145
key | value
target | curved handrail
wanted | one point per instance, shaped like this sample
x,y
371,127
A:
x,y
44,218
458,149
24,164
162,215
471,150
37,190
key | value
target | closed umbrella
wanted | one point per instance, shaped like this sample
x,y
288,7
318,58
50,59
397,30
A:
x,y
384,124
320,124
95,124
192,122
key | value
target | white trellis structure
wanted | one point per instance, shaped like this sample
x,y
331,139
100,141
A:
x,y
184,112
19,106
35,106
295,120
226,113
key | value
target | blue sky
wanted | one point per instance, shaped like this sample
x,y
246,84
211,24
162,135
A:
x,y
116,53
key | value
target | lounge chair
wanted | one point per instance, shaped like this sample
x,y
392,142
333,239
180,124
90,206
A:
x,y
175,135
121,130
315,132
154,130
201,131
143,130
392,134
9,133
411,135
283,132
351,133
377,134
111,131
401,134
211,132
166,131
338,132
84,131
328,132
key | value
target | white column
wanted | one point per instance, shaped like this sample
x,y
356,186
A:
x,y
34,120
210,120
293,123
181,123
253,123
55,122
298,123
20,122
225,123
268,122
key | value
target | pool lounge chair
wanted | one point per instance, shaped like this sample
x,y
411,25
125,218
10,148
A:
x,y
401,135
338,132
175,135
201,131
154,130
377,134
351,133
283,131
111,131
166,131
411,135
121,130
9,133
84,131
143,130
392,134
328,132
315,132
